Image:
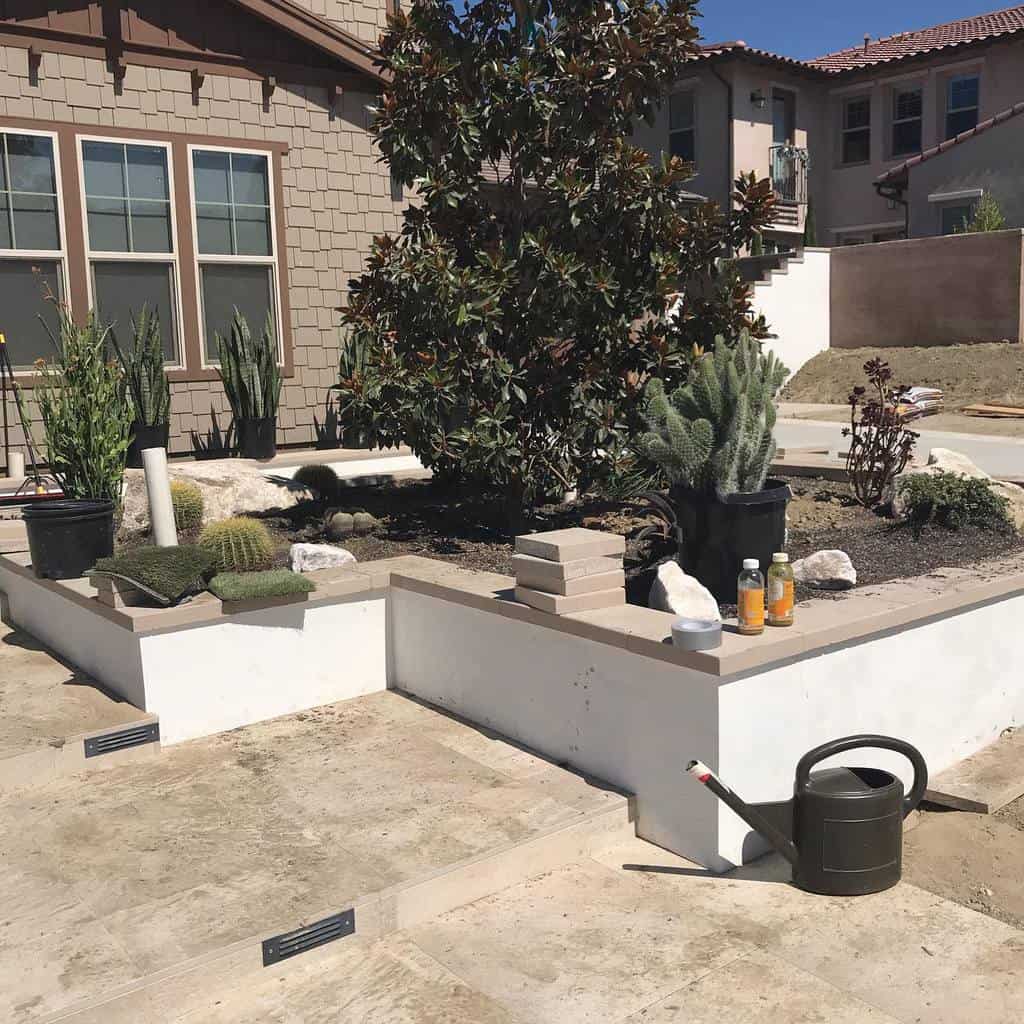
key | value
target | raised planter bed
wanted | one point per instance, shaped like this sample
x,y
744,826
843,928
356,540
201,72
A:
x,y
934,660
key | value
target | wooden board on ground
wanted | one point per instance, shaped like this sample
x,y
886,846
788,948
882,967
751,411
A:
x,y
1000,411
985,781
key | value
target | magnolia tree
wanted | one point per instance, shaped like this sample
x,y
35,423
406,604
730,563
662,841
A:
x,y
509,331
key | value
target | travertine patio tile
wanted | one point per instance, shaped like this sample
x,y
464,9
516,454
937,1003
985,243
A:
x,y
760,988
579,944
914,955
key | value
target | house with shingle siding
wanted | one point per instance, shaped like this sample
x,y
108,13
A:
x,y
192,156
884,138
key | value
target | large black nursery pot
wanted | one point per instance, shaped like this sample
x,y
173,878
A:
x,y
719,531
257,438
143,437
67,538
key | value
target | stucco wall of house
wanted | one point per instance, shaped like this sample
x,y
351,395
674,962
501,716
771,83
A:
x,y
991,163
336,195
928,291
852,204
711,111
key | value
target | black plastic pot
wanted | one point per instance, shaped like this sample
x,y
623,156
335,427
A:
x,y
66,538
257,438
143,437
719,531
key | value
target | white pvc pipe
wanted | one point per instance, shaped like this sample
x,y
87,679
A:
x,y
158,491
15,464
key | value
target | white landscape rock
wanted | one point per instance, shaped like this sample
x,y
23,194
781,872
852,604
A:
x,y
827,570
945,460
311,557
230,487
674,591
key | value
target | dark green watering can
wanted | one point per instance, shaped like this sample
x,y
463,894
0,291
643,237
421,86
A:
x,y
843,829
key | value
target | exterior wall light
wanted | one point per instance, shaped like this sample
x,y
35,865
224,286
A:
x,y
758,99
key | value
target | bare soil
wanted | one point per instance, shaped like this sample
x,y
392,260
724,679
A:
x,y
973,859
968,374
424,518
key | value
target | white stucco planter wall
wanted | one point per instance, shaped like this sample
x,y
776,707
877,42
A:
x,y
232,671
635,721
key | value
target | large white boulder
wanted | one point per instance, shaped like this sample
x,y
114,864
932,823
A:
x,y
230,487
945,460
311,557
827,570
674,591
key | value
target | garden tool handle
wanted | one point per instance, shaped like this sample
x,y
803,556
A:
x,y
912,754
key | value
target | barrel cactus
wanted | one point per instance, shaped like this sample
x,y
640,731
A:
x,y
715,433
187,500
320,479
239,544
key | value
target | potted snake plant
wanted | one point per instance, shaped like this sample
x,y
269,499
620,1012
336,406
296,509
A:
x,y
87,416
714,439
148,387
252,383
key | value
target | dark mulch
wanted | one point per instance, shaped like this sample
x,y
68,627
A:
x,y
462,526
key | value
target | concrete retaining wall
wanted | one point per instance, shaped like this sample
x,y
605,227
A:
x,y
929,291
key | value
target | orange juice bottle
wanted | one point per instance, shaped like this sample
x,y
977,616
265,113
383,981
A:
x,y
750,598
780,591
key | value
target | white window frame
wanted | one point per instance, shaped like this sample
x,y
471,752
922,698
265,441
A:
x,y
271,261
58,256
105,256
847,130
950,109
918,88
681,91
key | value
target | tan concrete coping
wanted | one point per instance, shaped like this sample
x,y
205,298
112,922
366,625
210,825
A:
x,y
820,623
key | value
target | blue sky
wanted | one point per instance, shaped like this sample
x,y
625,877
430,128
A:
x,y
809,28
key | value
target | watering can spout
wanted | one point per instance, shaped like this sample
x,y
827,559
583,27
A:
x,y
760,824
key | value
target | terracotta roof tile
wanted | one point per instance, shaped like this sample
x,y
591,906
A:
x,y
900,170
1008,21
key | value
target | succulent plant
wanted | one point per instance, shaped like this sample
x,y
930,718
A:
x,y
715,433
187,500
238,544
143,366
249,370
320,479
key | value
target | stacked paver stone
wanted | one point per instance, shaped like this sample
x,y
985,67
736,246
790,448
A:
x,y
566,571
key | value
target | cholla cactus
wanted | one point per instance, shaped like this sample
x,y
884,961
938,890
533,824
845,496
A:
x,y
714,433
239,544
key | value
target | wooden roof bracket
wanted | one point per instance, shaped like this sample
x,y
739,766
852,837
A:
x,y
269,85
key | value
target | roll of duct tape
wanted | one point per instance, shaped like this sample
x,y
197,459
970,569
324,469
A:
x,y
696,634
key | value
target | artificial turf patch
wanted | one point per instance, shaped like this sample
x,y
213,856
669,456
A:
x,y
166,574
250,586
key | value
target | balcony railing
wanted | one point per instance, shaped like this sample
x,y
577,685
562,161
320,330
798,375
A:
x,y
789,173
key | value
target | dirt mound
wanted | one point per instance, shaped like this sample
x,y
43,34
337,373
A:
x,y
992,373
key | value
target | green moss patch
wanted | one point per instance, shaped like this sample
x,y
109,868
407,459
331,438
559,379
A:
x,y
252,586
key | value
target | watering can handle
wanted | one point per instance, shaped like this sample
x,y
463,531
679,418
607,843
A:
x,y
812,757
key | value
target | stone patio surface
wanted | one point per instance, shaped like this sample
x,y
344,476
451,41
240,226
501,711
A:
x,y
112,877
490,886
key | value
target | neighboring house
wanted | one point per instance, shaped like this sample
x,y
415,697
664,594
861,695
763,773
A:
x,y
194,156
830,132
